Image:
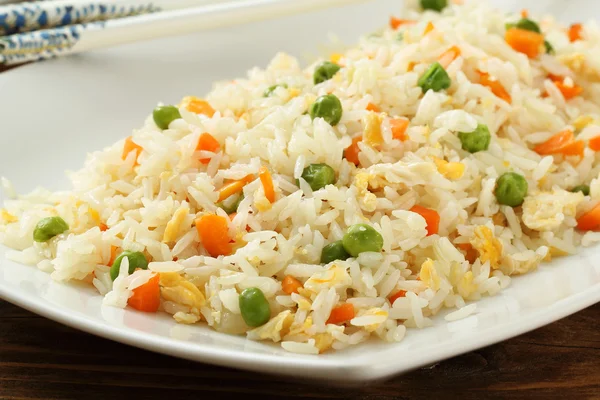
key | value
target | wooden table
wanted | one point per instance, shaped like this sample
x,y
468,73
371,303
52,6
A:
x,y
40,359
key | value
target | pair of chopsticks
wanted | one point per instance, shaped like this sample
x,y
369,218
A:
x,y
46,29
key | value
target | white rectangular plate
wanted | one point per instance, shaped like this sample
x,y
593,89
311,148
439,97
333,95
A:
x,y
54,112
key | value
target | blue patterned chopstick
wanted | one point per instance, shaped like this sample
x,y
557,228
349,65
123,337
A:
x,y
25,17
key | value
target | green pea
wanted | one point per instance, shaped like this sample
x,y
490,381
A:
x,y
334,251
231,204
328,107
164,115
511,189
269,91
325,72
435,5
549,47
254,307
475,141
136,260
435,78
49,227
585,189
360,238
318,176
527,24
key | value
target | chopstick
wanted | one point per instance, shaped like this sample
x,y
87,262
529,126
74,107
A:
x,y
31,16
49,43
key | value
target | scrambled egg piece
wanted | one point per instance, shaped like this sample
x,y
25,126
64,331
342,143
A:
x,y
489,248
429,275
177,289
296,329
510,266
465,286
186,318
7,217
323,341
450,170
174,225
366,199
334,277
277,327
554,252
336,57
374,312
581,122
372,129
547,211
577,63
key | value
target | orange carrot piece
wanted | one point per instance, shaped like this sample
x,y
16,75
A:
x,y
199,106
495,86
207,142
396,23
524,13
267,183
351,152
342,313
575,32
397,295
562,143
568,92
470,253
290,285
234,187
595,143
590,220
103,227
448,56
130,146
399,127
524,41
146,298
373,107
430,27
431,217
214,234
113,255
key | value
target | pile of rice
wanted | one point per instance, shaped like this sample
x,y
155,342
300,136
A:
x,y
150,205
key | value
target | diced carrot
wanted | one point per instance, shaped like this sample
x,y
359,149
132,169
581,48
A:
x,y
207,142
351,152
130,146
267,183
448,56
290,285
431,217
396,23
200,106
524,41
399,127
214,234
524,13
397,295
430,27
103,227
575,32
568,92
590,220
595,143
562,143
470,253
146,297
495,86
234,187
113,255
373,107
341,313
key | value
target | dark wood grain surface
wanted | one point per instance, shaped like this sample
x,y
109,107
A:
x,y
41,359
